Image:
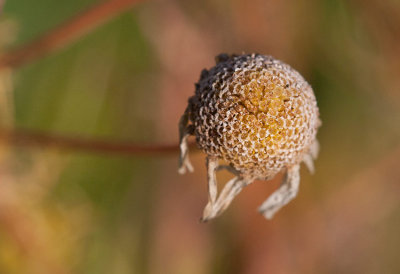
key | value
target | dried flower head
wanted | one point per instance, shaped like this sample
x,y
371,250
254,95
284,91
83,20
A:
x,y
260,116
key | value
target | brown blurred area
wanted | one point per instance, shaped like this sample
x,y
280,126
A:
x,y
68,211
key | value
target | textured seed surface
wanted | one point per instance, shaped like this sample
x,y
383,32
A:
x,y
255,112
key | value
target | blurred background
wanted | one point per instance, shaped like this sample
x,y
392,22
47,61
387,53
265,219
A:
x,y
125,76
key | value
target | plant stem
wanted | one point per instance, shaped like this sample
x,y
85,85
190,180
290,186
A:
x,y
34,138
65,34
1,6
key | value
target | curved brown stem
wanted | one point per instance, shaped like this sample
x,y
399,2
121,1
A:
x,y
34,138
1,6
66,33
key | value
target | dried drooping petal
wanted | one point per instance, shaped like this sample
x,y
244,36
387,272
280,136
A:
x,y
254,112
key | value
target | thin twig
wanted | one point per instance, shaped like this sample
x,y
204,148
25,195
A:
x,y
66,33
1,6
34,139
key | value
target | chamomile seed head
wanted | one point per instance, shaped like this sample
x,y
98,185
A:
x,y
255,112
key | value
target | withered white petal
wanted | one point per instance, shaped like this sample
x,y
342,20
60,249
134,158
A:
x,y
259,115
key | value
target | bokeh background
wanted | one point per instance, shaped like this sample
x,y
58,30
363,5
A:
x,y
128,80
